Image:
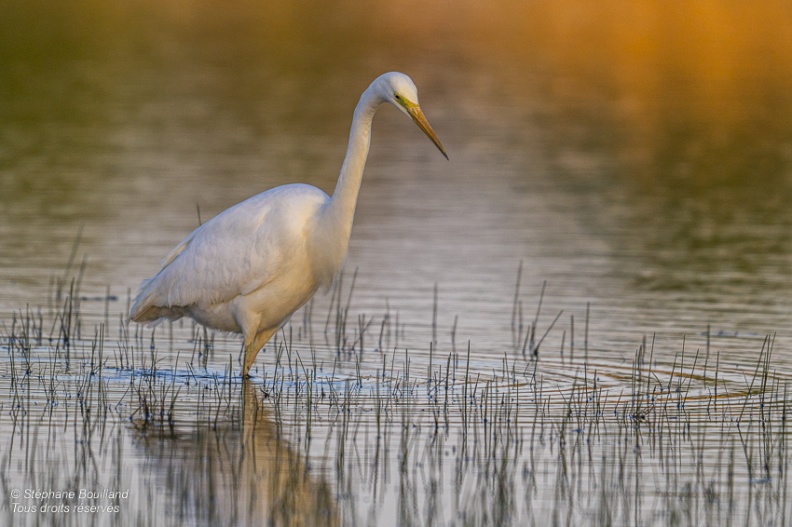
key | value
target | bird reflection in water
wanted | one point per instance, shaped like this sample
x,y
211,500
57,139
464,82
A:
x,y
236,470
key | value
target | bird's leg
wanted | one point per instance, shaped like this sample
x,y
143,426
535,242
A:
x,y
253,344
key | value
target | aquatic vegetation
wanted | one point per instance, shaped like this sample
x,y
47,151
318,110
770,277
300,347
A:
x,y
346,425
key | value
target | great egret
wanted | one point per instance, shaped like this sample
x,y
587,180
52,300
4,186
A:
x,y
249,268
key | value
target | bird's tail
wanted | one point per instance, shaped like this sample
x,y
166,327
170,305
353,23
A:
x,y
146,311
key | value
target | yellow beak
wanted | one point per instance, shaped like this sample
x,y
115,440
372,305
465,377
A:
x,y
420,119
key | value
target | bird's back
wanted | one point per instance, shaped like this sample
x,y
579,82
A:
x,y
236,252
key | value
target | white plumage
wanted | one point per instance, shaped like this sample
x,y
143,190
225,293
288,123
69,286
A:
x,y
249,268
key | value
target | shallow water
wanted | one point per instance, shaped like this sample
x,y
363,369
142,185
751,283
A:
x,y
635,159
338,437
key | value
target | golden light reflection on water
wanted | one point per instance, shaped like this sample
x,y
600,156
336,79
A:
x,y
665,87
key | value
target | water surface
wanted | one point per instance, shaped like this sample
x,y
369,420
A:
x,y
635,158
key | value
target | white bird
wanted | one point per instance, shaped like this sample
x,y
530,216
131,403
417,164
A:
x,y
249,268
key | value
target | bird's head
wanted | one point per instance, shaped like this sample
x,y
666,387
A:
x,y
399,90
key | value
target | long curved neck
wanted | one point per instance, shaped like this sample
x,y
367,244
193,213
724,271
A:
x,y
341,210
332,225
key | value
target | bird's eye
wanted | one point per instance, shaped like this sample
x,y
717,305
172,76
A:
x,y
397,96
